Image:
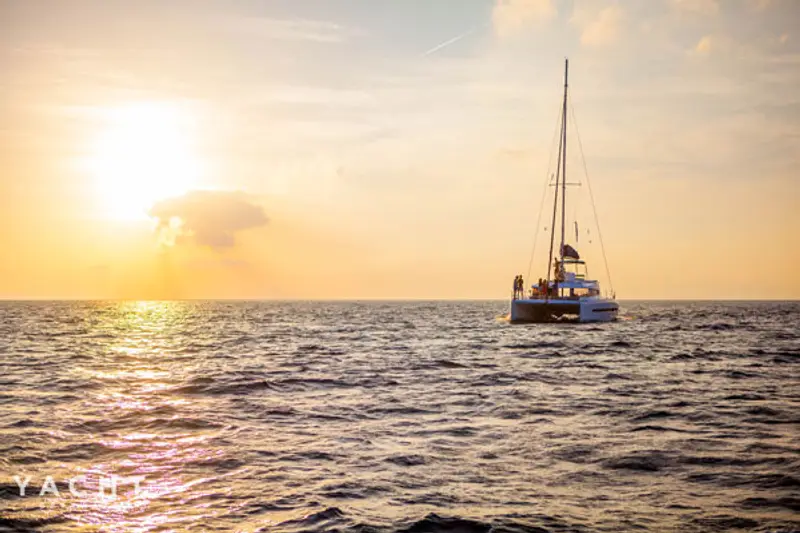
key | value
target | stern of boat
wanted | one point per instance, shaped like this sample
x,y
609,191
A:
x,y
527,311
599,310
540,311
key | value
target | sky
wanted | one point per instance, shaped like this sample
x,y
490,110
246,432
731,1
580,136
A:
x,y
326,149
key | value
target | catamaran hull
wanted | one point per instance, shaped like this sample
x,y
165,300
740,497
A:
x,y
538,311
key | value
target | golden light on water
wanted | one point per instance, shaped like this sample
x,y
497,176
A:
x,y
144,153
133,387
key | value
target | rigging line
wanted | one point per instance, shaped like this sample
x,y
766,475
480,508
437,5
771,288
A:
x,y
591,197
544,195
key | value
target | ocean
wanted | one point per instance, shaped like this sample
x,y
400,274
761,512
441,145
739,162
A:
x,y
397,417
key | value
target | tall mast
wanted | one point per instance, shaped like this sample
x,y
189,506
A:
x,y
564,160
555,206
560,180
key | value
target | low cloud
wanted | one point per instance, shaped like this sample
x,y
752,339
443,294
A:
x,y
716,44
600,28
318,31
705,8
207,218
704,45
513,16
760,5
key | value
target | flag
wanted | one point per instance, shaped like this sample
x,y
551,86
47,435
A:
x,y
569,251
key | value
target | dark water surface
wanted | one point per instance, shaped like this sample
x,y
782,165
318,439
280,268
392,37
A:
x,y
425,416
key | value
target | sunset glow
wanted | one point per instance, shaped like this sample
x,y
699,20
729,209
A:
x,y
306,150
399,266
143,154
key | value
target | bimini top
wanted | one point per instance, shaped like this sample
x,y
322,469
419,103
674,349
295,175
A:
x,y
572,283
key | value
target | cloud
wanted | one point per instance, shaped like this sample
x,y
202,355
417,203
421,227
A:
x,y
512,16
760,5
704,45
318,31
696,7
601,28
713,44
207,218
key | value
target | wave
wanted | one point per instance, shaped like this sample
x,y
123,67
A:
x,y
389,417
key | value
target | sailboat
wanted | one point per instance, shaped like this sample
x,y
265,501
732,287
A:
x,y
566,292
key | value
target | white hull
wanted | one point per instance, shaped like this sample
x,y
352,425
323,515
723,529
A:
x,y
583,310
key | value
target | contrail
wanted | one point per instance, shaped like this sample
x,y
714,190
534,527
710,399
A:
x,y
448,42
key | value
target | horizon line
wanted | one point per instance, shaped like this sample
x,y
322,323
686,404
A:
x,y
372,299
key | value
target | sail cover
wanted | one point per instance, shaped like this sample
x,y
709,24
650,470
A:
x,y
569,251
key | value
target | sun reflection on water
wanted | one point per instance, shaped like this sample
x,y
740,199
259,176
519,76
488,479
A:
x,y
145,433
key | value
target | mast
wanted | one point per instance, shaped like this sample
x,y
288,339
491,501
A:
x,y
561,168
564,162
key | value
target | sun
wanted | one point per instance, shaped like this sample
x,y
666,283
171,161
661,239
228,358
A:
x,y
143,154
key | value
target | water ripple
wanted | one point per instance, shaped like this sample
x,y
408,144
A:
x,y
399,417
